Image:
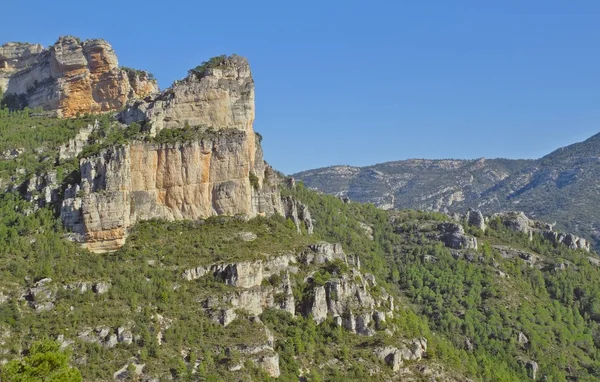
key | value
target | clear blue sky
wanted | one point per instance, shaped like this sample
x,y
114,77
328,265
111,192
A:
x,y
362,82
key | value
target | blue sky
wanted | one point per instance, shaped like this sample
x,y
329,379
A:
x,y
363,82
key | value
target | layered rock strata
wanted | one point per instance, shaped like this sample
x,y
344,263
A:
x,y
15,56
215,167
184,180
70,77
221,96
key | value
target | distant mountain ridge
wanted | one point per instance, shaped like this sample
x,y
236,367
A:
x,y
561,187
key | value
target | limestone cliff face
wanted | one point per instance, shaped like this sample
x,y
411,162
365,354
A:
x,y
14,57
218,170
70,77
221,96
186,180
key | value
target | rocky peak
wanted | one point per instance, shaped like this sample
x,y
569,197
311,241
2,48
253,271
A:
x,y
69,77
218,93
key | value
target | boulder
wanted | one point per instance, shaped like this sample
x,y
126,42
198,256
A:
x,y
42,295
412,351
453,236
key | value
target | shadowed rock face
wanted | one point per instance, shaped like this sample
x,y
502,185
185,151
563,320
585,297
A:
x,y
70,77
14,57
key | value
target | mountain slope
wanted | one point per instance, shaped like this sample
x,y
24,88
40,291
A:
x,y
561,187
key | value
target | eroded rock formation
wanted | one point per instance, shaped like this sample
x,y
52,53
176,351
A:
x,y
186,180
519,222
217,170
70,77
347,296
222,96
14,57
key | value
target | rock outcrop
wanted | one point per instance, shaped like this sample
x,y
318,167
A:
x,y
262,284
76,145
41,296
244,274
261,352
107,337
532,368
475,219
298,212
15,56
519,222
215,170
220,96
453,236
395,357
70,77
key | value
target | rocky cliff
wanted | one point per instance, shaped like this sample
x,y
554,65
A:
x,y
185,172
70,77
219,93
184,180
14,57
273,282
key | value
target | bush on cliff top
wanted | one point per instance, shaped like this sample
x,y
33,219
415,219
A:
x,y
201,70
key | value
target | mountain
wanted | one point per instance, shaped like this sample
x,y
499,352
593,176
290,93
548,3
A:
x,y
152,242
559,188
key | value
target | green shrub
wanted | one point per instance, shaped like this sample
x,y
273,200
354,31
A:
x,y
254,181
201,70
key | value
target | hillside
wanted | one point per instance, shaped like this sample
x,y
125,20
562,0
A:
x,y
156,244
560,187
228,299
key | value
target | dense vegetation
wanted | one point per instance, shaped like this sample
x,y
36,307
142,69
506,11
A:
x,y
481,305
30,140
44,361
475,307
